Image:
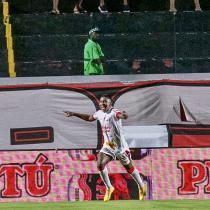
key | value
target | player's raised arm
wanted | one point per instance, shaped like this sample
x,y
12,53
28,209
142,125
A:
x,y
85,117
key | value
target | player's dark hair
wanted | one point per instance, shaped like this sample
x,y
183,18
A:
x,y
106,96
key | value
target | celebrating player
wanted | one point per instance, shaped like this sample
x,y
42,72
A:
x,y
114,145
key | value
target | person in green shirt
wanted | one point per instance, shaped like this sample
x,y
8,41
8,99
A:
x,y
93,55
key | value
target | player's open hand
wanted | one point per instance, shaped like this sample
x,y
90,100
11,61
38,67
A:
x,y
68,114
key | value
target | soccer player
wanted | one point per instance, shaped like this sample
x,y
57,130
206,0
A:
x,y
114,145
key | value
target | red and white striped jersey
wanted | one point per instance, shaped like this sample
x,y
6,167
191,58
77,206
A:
x,y
112,129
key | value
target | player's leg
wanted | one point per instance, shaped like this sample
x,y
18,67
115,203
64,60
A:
x,y
125,159
136,176
103,159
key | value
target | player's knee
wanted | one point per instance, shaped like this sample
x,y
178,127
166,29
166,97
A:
x,y
130,169
100,166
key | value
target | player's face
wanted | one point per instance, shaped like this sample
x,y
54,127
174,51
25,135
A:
x,y
105,104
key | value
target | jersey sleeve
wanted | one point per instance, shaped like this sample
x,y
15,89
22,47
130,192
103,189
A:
x,y
95,115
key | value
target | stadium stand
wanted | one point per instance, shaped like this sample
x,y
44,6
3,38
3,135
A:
x,y
46,45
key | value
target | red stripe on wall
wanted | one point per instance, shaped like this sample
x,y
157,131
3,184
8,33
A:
x,y
188,129
191,141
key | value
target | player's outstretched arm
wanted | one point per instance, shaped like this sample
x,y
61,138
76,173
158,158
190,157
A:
x,y
123,115
85,117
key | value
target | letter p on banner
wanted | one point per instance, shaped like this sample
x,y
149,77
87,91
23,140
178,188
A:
x,y
192,174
